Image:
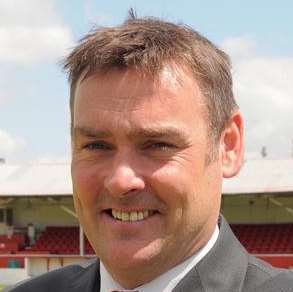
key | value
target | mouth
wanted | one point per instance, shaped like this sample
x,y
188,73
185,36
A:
x,y
132,216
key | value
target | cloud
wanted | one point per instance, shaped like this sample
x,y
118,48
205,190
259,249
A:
x,y
33,44
32,31
264,90
9,144
239,46
49,159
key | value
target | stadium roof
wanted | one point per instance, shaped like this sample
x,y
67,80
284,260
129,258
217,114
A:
x,y
53,179
35,179
262,176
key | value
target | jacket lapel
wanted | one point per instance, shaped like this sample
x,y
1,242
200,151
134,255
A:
x,y
222,269
190,283
86,280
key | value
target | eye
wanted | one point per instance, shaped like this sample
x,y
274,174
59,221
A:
x,y
98,145
163,146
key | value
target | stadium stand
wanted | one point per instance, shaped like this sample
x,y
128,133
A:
x,y
265,238
60,240
10,244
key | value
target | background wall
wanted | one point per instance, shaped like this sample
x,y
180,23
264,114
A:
x,y
257,209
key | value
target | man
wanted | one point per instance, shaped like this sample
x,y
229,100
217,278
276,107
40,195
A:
x,y
155,128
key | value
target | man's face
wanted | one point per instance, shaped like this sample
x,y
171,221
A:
x,y
143,191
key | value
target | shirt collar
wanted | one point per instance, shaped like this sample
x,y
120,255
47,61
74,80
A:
x,y
167,281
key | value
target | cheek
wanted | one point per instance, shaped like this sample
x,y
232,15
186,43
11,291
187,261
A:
x,y
180,175
165,179
172,185
86,183
189,190
207,199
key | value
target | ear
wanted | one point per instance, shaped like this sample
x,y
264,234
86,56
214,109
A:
x,y
232,145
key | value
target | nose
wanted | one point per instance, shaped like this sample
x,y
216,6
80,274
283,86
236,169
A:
x,y
124,177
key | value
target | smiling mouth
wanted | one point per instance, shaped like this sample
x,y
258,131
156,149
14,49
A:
x,y
132,216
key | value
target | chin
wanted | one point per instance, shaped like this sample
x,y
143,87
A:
x,y
132,256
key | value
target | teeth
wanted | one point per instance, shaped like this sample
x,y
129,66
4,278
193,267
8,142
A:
x,y
125,216
131,216
119,215
140,215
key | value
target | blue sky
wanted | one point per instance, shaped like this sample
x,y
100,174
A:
x,y
35,35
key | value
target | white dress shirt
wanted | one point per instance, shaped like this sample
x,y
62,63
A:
x,y
165,282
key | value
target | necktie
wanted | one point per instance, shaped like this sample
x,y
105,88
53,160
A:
x,y
124,291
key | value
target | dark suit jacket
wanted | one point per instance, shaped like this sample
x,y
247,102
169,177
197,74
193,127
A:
x,y
227,267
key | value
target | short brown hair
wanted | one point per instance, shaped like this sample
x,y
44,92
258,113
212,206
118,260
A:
x,y
148,44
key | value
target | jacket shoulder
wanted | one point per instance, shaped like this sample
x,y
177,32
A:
x,y
261,276
283,282
54,281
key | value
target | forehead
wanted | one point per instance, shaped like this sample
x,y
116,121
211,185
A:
x,y
128,94
113,88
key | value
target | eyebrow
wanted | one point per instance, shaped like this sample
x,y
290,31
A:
x,y
159,132
90,133
144,132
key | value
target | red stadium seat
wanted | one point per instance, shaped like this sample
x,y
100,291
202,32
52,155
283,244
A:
x,y
265,238
61,240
